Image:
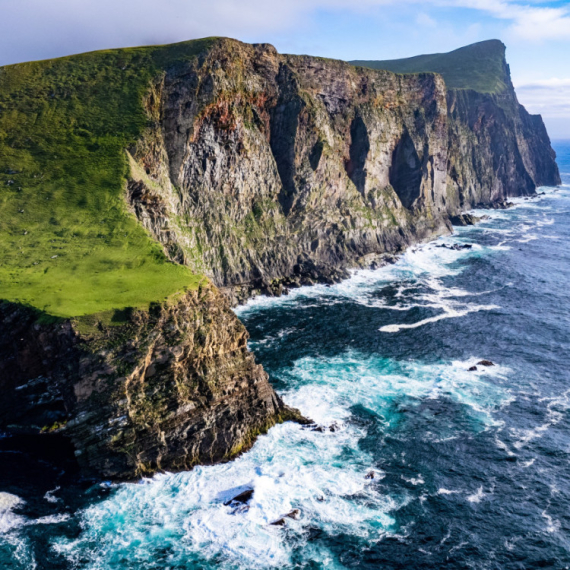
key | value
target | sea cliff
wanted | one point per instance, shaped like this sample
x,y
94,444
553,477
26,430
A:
x,y
171,182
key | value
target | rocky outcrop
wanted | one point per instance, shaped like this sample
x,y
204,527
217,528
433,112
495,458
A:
x,y
264,169
496,149
141,391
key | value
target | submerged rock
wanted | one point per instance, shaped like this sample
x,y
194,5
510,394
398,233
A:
x,y
456,246
295,514
243,498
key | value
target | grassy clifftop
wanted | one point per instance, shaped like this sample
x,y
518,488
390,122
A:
x,y
68,245
479,66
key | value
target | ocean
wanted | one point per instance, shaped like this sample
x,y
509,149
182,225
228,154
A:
x,y
418,462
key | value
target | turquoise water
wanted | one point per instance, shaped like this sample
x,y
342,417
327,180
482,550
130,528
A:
x,y
470,467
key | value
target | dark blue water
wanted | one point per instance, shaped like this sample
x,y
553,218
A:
x,y
471,468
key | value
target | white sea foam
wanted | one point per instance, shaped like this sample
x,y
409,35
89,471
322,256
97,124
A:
x,y
50,519
552,525
8,519
448,313
291,467
320,473
414,480
50,496
556,409
418,274
420,266
476,497
331,386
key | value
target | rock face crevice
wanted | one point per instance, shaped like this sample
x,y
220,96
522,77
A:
x,y
359,149
406,171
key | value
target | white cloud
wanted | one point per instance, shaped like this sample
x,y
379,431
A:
x,y
528,22
548,97
423,19
35,28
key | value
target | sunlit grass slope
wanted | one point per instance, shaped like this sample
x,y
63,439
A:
x,y
68,245
479,66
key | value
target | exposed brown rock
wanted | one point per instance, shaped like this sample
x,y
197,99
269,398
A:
x,y
172,387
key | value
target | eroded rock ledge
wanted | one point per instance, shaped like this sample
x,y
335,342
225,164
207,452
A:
x,y
164,389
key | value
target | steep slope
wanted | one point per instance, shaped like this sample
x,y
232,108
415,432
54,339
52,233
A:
x,y
167,389
496,149
137,361
480,66
68,243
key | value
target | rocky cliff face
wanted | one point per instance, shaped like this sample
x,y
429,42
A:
x,y
166,389
496,149
263,168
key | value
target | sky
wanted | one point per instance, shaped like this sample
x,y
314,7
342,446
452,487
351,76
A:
x,y
536,33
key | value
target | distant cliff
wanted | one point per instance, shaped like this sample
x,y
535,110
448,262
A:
x,y
496,148
134,182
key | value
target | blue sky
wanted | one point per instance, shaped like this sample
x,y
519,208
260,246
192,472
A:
x,y
537,34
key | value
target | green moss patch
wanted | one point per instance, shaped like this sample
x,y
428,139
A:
x,y
68,245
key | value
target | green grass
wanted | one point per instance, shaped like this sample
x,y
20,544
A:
x,y
480,66
68,245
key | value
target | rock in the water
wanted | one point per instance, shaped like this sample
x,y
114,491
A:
x,y
369,475
294,514
322,429
485,363
472,368
464,220
242,498
456,246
